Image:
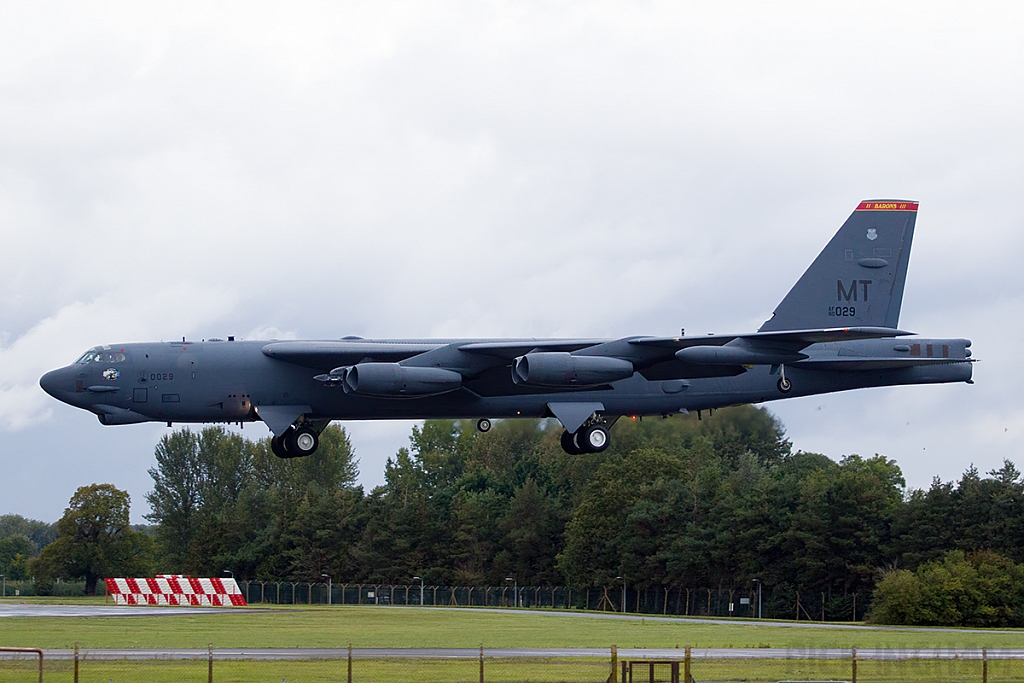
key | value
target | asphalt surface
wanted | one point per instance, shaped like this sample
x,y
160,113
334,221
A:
x,y
711,620
269,654
36,610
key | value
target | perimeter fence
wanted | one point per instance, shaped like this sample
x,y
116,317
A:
x,y
680,665
775,603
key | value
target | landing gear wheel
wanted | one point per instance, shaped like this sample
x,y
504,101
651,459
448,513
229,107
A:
x,y
483,424
301,442
569,444
277,447
785,385
594,438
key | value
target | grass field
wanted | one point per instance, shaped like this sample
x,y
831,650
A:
x,y
415,627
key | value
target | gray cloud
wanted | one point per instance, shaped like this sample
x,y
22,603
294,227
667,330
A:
x,y
497,169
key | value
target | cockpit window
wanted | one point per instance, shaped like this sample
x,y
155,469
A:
x,y
94,356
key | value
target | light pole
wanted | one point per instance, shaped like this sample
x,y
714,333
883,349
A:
x,y
228,571
5,584
329,586
623,593
515,590
421,588
758,582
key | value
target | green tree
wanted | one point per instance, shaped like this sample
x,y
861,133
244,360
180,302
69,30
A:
x,y
979,589
14,554
40,533
96,540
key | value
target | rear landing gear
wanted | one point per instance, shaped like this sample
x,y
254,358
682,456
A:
x,y
277,448
592,438
297,442
301,442
569,444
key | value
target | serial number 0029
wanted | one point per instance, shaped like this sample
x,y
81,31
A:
x,y
842,311
161,375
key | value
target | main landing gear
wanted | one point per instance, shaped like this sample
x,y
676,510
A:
x,y
297,442
592,438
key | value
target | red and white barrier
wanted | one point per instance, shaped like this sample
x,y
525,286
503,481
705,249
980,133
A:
x,y
176,590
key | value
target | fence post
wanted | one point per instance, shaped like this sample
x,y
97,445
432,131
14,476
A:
x,y
984,665
76,661
614,677
481,663
350,663
687,677
853,662
209,676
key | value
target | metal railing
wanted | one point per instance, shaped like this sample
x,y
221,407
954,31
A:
x,y
505,665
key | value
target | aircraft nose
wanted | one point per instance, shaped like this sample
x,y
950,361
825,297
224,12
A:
x,y
51,382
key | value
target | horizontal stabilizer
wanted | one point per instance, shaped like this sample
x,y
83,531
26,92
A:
x,y
859,364
795,339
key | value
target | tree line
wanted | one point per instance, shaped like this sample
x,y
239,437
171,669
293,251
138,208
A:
x,y
673,503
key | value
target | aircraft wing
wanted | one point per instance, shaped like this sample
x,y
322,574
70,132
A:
x,y
517,347
331,354
336,353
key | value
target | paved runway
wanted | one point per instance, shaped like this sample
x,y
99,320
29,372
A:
x,y
524,653
712,620
37,610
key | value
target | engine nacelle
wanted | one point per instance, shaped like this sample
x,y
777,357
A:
x,y
395,381
559,369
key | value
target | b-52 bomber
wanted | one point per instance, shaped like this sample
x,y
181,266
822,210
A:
x,y
835,330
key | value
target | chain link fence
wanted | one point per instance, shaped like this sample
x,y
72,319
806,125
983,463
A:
x,y
770,603
513,666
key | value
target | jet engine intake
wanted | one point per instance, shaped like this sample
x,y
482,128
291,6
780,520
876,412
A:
x,y
560,369
394,380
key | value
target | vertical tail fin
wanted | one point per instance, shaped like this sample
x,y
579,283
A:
x,y
858,278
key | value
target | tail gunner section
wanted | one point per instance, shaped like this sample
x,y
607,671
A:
x,y
836,329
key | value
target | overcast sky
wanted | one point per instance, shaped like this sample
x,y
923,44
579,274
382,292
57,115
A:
x,y
528,169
